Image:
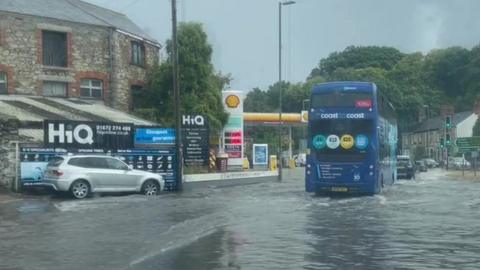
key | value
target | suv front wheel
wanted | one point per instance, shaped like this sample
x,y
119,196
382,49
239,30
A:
x,y
80,189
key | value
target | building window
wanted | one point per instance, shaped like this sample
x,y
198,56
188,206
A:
x,y
3,83
91,88
138,54
55,89
54,49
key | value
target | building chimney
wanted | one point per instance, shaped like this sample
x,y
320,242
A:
x,y
421,115
476,107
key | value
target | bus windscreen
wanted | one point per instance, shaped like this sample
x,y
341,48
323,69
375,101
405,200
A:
x,y
342,99
341,140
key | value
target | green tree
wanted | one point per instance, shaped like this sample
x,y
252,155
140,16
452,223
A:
x,y
357,58
200,86
257,101
470,81
445,70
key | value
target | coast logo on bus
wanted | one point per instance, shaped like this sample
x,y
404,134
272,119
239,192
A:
x,y
346,141
319,142
361,142
232,101
333,141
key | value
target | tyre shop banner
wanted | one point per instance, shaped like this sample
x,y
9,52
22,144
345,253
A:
x,y
34,160
78,135
154,137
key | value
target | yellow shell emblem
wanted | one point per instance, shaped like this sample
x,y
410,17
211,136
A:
x,y
232,101
305,116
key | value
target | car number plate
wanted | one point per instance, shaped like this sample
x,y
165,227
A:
x,y
339,189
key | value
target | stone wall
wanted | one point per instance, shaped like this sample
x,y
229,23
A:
x,y
89,57
8,134
124,73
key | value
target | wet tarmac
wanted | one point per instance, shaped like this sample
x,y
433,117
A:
x,y
427,223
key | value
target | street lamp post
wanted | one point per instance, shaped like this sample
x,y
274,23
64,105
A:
x,y
280,122
176,94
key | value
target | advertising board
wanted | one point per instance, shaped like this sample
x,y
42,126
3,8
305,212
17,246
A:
x,y
260,154
195,140
33,162
154,137
76,135
233,130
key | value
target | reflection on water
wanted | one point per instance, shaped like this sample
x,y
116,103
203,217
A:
x,y
429,223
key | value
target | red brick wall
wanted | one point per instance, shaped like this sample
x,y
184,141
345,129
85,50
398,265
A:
x,y
90,75
10,82
39,47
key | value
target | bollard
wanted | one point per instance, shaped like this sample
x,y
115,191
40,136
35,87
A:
x,y
273,163
222,162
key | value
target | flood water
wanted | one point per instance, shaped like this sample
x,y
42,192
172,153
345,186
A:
x,y
427,223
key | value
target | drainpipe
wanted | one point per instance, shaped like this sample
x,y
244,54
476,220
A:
x,y
111,59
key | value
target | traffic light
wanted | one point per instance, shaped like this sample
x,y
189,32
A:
x,y
448,122
448,140
442,143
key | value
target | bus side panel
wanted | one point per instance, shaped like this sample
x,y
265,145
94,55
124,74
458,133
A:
x,y
310,175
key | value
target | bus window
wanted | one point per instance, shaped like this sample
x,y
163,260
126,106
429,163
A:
x,y
339,99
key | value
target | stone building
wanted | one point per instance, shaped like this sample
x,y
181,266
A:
x,y
70,48
427,134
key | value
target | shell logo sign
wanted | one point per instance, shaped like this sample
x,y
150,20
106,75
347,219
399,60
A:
x,y
232,101
304,118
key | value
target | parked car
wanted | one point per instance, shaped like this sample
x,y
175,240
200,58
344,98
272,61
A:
x,y
421,166
300,160
83,175
431,163
458,163
405,168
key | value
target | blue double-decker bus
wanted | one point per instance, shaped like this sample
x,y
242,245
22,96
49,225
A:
x,y
352,134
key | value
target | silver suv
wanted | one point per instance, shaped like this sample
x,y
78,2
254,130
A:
x,y
82,175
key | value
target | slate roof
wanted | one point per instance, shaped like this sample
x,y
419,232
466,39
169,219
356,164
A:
x,y
75,11
438,122
37,109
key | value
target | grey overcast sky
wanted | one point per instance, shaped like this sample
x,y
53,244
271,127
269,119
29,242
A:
x,y
244,33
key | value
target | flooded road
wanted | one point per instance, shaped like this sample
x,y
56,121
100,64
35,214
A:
x,y
428,223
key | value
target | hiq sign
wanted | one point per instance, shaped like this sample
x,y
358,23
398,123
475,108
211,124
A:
x,y
193,120
82,134
78,135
